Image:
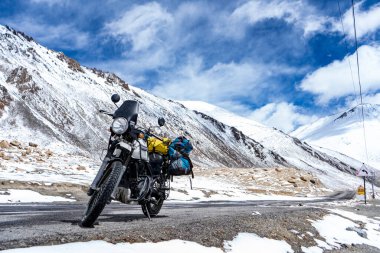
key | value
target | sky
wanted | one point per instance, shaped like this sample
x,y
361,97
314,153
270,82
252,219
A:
x,y
283,63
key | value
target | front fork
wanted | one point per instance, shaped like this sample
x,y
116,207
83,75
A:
x,y
98,176
100,173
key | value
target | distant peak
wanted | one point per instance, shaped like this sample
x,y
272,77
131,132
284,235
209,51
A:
x,y
7,30
201,106
368,109
110,77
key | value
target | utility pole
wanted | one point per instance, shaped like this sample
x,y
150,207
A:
x,y
373,189
365,193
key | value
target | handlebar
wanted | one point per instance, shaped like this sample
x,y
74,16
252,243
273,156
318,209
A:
x,y
147,132
106,113
155,136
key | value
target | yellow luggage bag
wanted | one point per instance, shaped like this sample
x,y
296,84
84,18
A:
x,y
157,146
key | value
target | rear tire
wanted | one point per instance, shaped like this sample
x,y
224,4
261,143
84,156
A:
x,y
158,196
100,198
153,209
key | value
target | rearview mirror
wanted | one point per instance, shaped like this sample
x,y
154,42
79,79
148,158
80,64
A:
x,y
161,122
115,98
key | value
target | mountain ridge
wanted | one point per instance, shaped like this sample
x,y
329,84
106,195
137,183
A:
x,y
343,132
293,150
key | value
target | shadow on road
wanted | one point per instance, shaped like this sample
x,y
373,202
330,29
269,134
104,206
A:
x,y
114,218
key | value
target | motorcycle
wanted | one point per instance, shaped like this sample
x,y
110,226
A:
x,y
126,174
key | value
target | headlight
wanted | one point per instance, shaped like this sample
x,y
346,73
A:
x,y
119,125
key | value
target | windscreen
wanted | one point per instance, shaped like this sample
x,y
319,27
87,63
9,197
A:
x,y
129,110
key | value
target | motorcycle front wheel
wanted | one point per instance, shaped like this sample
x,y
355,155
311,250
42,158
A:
x,y
101,197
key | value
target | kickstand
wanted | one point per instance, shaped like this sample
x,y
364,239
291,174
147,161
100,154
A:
x,y
191,183
147,212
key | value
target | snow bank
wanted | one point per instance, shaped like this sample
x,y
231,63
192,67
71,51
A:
x,y
242,243
27,196
248,243
100,246
339,229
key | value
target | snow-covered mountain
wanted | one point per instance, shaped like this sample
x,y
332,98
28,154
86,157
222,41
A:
x,y
50,99
343,132
297,153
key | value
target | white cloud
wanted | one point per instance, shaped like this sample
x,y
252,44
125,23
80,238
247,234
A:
x,y
367,22
297,13
315,23
154,33
255,11
367,99
235,107
227,85
334,80
142,25
64,36
283,116
50,2
307,18
303,16
220,82
372,99
149,27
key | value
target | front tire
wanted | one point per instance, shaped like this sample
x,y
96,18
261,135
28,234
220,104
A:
x,y
101,197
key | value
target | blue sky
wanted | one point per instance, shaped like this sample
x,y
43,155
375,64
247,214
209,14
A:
x,y
281,62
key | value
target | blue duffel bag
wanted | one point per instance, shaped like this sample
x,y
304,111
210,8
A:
x,y
180,166
180,144
179,151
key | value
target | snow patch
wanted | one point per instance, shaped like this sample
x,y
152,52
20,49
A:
x,y
27,196
335,229
245,242
242,243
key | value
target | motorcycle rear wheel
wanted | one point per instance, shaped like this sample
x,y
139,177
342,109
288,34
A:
x,y
101,197
153,208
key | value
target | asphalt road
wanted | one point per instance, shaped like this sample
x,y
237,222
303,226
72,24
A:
x,y
209,223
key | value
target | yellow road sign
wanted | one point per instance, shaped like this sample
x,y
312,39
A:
x,y
360,190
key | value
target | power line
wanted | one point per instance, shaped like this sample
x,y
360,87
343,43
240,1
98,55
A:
x,y
360,84
346,46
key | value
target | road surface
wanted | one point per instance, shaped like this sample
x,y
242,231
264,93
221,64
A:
x,y
208,223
